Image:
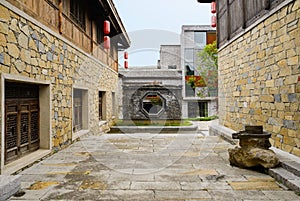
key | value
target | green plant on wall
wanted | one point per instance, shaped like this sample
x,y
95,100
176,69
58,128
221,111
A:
x,y
195,81
192,82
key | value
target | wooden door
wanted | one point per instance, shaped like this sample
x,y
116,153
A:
x,y
21,120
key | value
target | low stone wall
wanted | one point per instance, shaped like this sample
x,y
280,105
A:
x,y
259,78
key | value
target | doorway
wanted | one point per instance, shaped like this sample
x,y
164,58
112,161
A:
x,y
22,120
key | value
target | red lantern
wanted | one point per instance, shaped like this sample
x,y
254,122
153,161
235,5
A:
x,y
125,55
213,21
106,27
106,42
213,7
126,64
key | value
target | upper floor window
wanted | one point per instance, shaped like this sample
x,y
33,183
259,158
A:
x,y
199,39
100,34
77,12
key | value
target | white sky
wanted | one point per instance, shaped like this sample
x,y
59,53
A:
x,y
151,23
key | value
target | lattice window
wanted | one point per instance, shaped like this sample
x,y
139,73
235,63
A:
x,y
77,12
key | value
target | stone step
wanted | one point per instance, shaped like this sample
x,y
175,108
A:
x,y
291,166
9,185
286,177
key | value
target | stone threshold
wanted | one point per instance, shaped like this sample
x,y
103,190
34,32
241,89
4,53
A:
x,y
9,185
25,161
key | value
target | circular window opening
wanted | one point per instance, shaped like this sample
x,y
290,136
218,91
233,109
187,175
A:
x,y
153,104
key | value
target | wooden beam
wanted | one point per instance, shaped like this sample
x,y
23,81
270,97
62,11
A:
x,y
60,16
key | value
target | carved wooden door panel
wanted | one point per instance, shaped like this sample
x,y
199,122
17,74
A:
x,y
21,120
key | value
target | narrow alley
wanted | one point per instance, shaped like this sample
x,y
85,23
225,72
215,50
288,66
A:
x,y
144,166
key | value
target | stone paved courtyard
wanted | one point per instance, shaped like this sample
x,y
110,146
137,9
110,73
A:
x,y
143,166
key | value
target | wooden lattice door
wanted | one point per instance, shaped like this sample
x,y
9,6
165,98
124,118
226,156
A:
x,y
21,120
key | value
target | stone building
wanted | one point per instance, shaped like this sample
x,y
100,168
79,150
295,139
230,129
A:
x,y
193,40
259,74
151,93
185,57
58,81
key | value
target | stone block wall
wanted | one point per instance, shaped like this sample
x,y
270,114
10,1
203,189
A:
x,y
170,56
259,78
31,51
132,102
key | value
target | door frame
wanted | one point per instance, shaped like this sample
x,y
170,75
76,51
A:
x,y
45,120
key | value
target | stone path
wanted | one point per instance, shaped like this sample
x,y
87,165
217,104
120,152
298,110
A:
x,y
145,166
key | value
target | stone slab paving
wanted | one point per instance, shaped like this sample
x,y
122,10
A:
x,y
143,166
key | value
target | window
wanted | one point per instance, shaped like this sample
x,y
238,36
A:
x,y
80,110
189,69
199,39
113,96
210,37
77,109
77,12
100,34
101,105
172,66
189,55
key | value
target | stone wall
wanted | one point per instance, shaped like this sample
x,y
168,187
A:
x,y
170,56
132,102
32,51
259,78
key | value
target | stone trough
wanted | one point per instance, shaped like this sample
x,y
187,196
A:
x,y
253,150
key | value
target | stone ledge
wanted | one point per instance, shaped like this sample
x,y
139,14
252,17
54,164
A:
x,y
286,178
152,129
79,134
9,185
216,129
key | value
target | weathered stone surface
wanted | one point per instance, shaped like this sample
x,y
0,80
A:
x,y
254,185
2,58
279,57
13,50
9,185
135,92
252,157
23,40
4,14
2,40
20,66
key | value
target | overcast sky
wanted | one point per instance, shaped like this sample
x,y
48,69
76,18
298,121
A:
x,y
151,23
